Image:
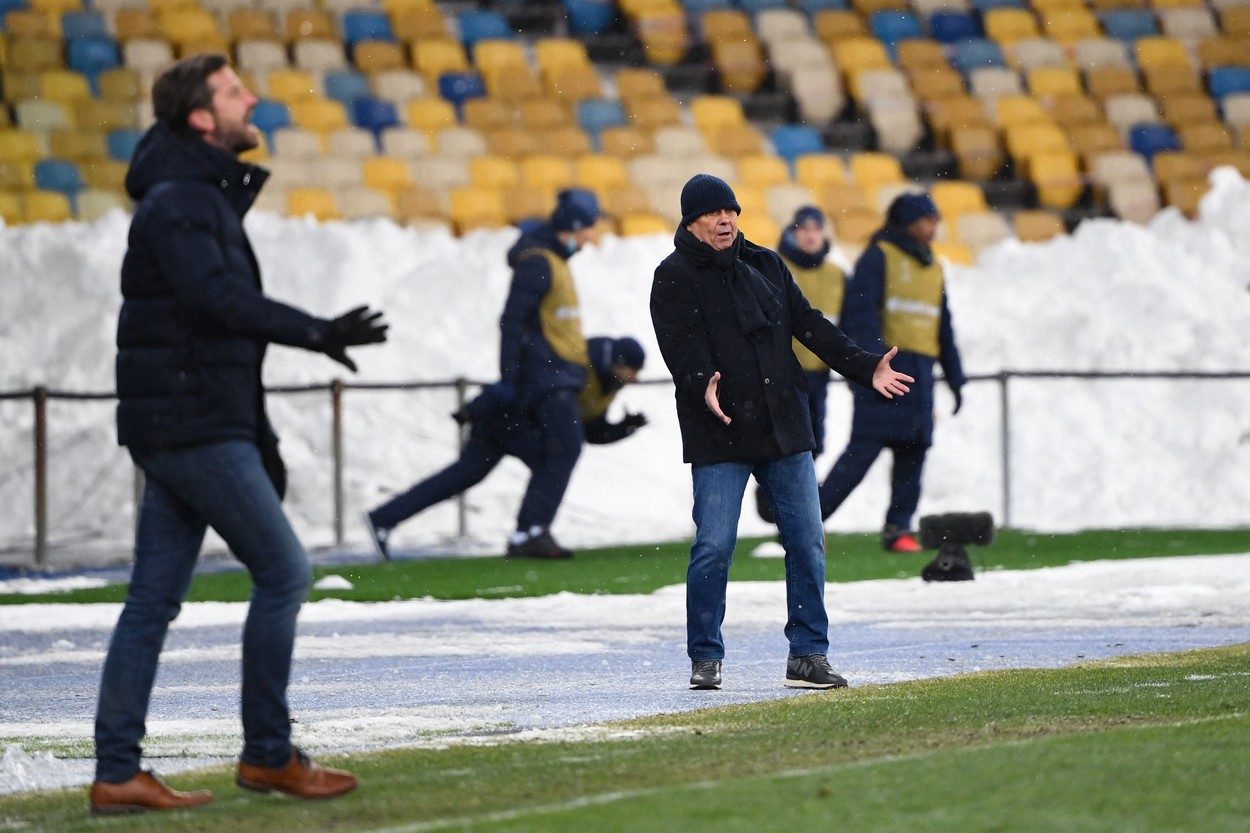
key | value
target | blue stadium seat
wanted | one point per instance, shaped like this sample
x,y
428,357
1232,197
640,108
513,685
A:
x,y
812,7
698,7
1222,81
346,86
953,26
983,6
587,17
754,7
793,140
1129,24
59,175
269,115
361,25
91,56
890,27
7,6
1149,138
374,115
594,115
122,143
483,25
972,54
459,87
83,25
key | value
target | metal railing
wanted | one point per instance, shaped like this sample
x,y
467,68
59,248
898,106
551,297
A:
x,y
40,396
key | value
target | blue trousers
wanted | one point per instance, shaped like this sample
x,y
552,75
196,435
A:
x,y
547,439
817,397
222,485
905,478
790,486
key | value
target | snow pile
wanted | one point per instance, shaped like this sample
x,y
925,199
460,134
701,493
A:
x,y
1112,297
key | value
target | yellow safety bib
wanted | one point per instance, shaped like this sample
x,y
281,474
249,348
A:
x,y
822,286
912,315
560,312
592,402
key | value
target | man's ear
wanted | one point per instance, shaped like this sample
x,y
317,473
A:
x,y
201,120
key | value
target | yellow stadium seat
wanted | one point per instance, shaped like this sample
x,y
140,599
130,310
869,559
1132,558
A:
x,y
833,25
936,82
1188,109
915,54
484,113
1093,139
547,171
626,142
759,227
45,207
1161,52
600,172
1168,165
762,171
1019,109
430,114
320,115
1071,110
26,23
492,171
1206,137
1106,81
726,25
1186,194
542,114
418,22
95,114
108,174
189,25
554,54
712,112
1057,177
572,84
855,54
56,7
19,146
374,56
10,207
740,65
871,169
36,54
1025,141
474,207
868,8
1051,82
816,170
493,54
136,23
77,145
1164,82
639,223
64,85
1008,25
626,199
318,202
291,85
664,36
954,252
513,83
433,58
639,82
568,140
855,226
417,205
527,203
733,142
1071,24
513,142
387,174
947,114
1222,51
119,84
651,113
954,198
978,149
16,174
309,24
1037,225
251,24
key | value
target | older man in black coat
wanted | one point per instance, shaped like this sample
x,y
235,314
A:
x,y
725,311
191,338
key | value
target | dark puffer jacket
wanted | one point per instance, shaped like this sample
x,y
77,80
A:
x,y
763,390
194,323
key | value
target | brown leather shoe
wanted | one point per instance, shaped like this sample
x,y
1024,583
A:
x,y
300,778
143,792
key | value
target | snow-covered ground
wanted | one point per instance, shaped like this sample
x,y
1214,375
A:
x,y
1112,297
430,673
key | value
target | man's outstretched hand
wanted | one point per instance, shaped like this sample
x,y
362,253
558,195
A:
x,y
357,326
886,380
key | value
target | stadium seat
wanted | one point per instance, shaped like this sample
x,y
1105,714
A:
x,y
475,207
1149,139
405,143
1057,177
269,116
433,58
1225,81
94,203
626,141
460,87
1007,25
318,55
978,150
291,85
1051,82
1094,139
335,174
1106,81
1188,109
82,23
319,203
59,175
420,207
1161,52
600,173
121,144
1071,24
762,171
1070,111
833,25
346,86
596,115
92,56
387,174
43,117
542,114
398,86
950,27
818,93
975,53
682,141
892,27
40,206
1129,24
480,25
979,230
430,115
589,16
246,23
372,56
296,143
1037,225
374,115
1089,53
793,140
1124,111
418,21
360,25
320,115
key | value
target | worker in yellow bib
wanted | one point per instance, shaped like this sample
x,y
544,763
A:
x,y
897,297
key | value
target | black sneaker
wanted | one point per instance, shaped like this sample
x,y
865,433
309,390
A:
x,y
378,536
812,671
541,545
705,674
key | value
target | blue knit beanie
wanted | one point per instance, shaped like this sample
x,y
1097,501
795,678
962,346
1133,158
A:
x,y
629,352
908,208
808,214
703,194
576,208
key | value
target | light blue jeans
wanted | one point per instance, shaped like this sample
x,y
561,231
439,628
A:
x,y
790,486
222,485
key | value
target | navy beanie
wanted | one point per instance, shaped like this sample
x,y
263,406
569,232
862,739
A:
x,y
576,209
629,352
808,214
703,194
908,208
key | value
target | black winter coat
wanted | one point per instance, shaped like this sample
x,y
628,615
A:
x,y
194,323
763,390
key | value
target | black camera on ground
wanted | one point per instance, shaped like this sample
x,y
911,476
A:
x,y
948,534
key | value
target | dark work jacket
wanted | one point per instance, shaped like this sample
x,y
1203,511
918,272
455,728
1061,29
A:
x,y
194,323
763,390
527,360
903,419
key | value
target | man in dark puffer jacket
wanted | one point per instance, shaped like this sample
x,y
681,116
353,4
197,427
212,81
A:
x,y
191,338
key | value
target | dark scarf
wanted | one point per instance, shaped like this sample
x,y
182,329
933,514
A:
x,y
790,251
755,301
899,237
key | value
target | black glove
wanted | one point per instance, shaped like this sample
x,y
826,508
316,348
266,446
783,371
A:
x,y
359,326
959,399
632,422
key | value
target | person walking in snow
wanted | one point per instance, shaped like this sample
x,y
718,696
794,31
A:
x,y
725,312
191,339
897,296
804,249
498,430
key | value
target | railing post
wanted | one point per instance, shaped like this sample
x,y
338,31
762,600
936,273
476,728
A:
x,y
1005,408
462,503
41,476
336,442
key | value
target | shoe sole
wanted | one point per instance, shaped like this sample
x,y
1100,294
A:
x,y
789,683
373,540
705,686
256,786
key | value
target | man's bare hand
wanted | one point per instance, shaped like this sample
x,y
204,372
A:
x,y
713,404
886,380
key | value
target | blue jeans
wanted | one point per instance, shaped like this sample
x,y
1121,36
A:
x,y
817,399
853,465
222,485
790,486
